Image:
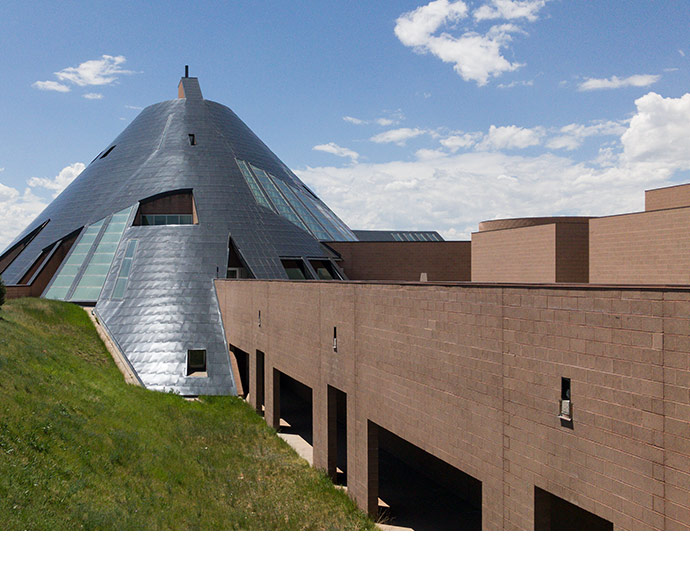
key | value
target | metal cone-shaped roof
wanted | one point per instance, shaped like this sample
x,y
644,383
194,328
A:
x,y
185,194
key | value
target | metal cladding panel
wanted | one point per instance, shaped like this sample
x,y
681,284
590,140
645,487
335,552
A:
x,y
169,305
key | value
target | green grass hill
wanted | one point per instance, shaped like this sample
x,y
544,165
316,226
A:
x,y
82,450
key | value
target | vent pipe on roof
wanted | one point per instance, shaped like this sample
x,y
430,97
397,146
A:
x,y
186,71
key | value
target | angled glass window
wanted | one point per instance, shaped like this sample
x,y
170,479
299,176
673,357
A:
x,y
125,268
62,283
325,270
277,198
296,269
259,195
91,283
339,225
324,218
316,228
297,205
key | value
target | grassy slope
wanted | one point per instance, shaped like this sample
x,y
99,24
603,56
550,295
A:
x,y
80,449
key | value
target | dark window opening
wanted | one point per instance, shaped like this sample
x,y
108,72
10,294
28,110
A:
x,y
553,513
420,491
196,363
295,408
236,268
106,152
296,269
242,362
325,270
337,435
260,383
565,411
192,139
175,207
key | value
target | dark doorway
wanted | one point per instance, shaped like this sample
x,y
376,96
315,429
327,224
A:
x,y
422,492
242,359
337,435
553,513
295,408
260,382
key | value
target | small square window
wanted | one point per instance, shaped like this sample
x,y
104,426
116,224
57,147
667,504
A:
x,y
196,363
192,139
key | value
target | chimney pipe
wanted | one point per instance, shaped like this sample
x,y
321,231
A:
x,y
186,71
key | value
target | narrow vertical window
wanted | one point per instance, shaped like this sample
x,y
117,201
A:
x,y
566,409
192,139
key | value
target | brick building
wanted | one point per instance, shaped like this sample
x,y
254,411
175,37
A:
x,y
537,377
548,390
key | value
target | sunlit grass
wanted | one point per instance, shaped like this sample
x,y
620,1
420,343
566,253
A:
x,y
81,449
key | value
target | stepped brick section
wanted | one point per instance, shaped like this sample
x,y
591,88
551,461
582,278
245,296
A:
x,y
640,248
471,373
667,197
533,253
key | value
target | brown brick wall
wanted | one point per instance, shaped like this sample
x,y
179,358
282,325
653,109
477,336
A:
x,y
405,261
572,252
641,248
17,292
515,255
667,197
472,373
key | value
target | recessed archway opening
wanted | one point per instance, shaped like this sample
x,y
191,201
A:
x,y
420,491
337,435
242,361
554,513
296,414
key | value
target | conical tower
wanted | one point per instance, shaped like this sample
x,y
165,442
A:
x,y
185,194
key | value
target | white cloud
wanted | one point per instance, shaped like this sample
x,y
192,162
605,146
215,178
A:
x,y
51,86
452,193
514,84
617,82
510,137
337,150
571,136
461,141
659,133
510,10
393,119
16,211
475,57
397,136
93,96
103,71
416,28
429,154
60,181
100,72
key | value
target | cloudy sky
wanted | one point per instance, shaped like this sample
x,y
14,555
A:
x,y
400,114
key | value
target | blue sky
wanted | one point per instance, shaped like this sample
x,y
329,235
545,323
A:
x,y
400,114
